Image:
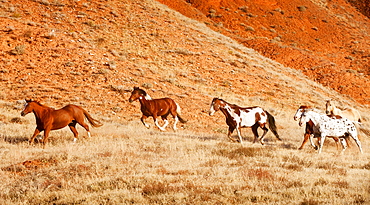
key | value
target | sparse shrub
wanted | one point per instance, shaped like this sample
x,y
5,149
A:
x,y
155,188
341,184
147,85
302,8
16,15
249,28
260,174
310,202
19,50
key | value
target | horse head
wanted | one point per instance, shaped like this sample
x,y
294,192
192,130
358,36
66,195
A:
x,y
215,106
300,111
137,93
329,107
27,107
304,118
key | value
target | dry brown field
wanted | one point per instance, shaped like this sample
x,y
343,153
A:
x,y
126,163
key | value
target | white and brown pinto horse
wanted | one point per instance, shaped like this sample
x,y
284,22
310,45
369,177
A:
x,y
325,126
156,107
239,117
349,113
309,129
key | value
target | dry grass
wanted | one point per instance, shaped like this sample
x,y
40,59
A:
x,y
125,163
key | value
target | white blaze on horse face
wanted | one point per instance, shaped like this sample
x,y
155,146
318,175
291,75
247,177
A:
x,y
304,119
211,110
298,114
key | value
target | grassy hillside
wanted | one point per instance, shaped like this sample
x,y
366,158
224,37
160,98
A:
x,y
91,53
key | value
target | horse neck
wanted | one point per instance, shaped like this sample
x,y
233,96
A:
x,y
40,110
336,111
315,117
144,101
225,110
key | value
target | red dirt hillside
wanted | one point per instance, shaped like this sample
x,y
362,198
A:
x,y
327,40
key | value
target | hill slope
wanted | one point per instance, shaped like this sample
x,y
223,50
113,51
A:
x,y
326,40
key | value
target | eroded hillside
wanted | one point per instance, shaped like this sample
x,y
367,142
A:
x,y
326,40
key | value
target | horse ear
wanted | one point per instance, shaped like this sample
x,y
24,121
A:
x,y
28,100
136,88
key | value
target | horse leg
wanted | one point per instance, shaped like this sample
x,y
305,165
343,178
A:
x,y
344,144
321,144
164,118
37,131
336,139
157,124
175,123
305,139
72,127
239,135
265,130
355,137
142,119
312,143
46,136
231,130
255,133
83,124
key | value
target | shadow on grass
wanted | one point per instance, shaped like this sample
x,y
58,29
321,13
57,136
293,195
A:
x,y
14,139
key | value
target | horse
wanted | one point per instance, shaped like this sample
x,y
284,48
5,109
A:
x,y
240,117
48,119
309,130
156,108
349,113
325,126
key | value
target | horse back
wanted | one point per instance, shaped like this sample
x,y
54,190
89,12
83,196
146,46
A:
x,y
251,115
160,106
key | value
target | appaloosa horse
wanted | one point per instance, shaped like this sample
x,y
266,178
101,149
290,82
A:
x,y
325,126
48,119
239,117
309,130
156,108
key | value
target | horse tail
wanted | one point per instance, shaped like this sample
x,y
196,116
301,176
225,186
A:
x,y
272,125
178,110
92,121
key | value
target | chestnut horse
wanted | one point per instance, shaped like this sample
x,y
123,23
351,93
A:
x,y
48,119
309,130
239,117
156,108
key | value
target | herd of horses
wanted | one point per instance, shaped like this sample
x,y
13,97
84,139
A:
x,y
337,124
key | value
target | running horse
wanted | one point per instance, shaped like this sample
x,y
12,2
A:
x,y
156,108
239,117
48,119
325,126
309,129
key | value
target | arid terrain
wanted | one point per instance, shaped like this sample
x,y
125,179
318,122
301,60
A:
x,y
275,54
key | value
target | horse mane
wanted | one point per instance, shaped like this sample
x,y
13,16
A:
x,y
38,103
142,92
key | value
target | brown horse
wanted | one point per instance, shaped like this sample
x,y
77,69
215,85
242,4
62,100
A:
x,y
156,108
309,130
48,119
